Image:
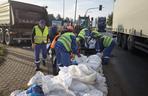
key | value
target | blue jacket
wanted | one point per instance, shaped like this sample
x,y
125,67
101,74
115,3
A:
x,y
74,46
52,33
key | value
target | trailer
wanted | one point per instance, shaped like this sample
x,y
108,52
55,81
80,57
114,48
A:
x,y
17,20
130,22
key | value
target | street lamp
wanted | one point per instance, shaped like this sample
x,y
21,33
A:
x,y
63,8
100,9
75,12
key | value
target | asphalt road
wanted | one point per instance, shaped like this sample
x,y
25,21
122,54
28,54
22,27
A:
x,y
127,73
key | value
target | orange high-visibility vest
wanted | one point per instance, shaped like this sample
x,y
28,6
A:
x,y
54,41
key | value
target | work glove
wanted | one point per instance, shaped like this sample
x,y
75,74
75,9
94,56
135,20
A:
x,y
78,54
33,45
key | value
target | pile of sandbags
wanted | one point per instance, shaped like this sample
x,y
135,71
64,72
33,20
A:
x,y
84,79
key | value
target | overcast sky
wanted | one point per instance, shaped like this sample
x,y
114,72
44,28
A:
x,y
56,7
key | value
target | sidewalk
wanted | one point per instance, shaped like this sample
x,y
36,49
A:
x,y
16,70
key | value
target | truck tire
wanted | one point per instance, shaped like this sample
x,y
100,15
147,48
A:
x,y
124,42
8,38
130,43
2,35
119,38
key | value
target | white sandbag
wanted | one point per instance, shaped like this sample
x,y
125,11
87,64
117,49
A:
x,y
64,77
94,93
83,73
47,84
16,92
36,79
94,58
100,54
82,59
101,84
22,94
77,86
93,61
59,90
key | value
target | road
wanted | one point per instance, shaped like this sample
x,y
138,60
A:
x,y
127,73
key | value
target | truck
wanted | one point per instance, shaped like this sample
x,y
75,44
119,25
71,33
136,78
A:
x,y
17,20
82,22
130,23
101,24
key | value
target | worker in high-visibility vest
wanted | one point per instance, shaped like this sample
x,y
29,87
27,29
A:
x,y
40,37
65,44
105,45
83,34
87,43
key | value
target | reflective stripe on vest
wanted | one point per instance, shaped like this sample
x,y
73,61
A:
x,y
40,37
107,41
65,39
97,34
82,33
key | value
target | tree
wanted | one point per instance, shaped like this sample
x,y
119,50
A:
x,y
59,17
51,17
110,19
67,19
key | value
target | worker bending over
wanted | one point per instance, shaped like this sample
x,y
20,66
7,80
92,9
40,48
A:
x,y
88,44
66,44
106,45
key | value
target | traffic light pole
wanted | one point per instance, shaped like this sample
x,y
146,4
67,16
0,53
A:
x,y
100,9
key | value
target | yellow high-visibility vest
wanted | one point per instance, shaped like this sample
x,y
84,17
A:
x,y
41,37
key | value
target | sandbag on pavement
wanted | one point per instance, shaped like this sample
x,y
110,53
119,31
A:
x,y
83,73
36,79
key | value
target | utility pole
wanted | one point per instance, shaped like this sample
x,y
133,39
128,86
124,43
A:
x,y
75,12
63,8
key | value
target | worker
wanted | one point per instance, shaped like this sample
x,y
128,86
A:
x,y
82,36
87,43
53,31
65,44
105,45
40,37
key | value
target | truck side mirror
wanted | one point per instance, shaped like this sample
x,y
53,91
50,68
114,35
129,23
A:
x,y
100,7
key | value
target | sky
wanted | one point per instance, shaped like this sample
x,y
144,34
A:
x,y
56,7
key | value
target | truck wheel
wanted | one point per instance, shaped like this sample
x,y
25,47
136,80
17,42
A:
x,y
124,42
119,38
2,39
8,38
130,43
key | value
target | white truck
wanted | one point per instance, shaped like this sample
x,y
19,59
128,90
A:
x,y
130,22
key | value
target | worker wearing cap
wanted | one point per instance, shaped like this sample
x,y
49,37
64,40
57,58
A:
x,y
65,44
106,45
40,36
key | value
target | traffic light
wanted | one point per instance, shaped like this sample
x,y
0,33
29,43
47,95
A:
x,y
100,7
